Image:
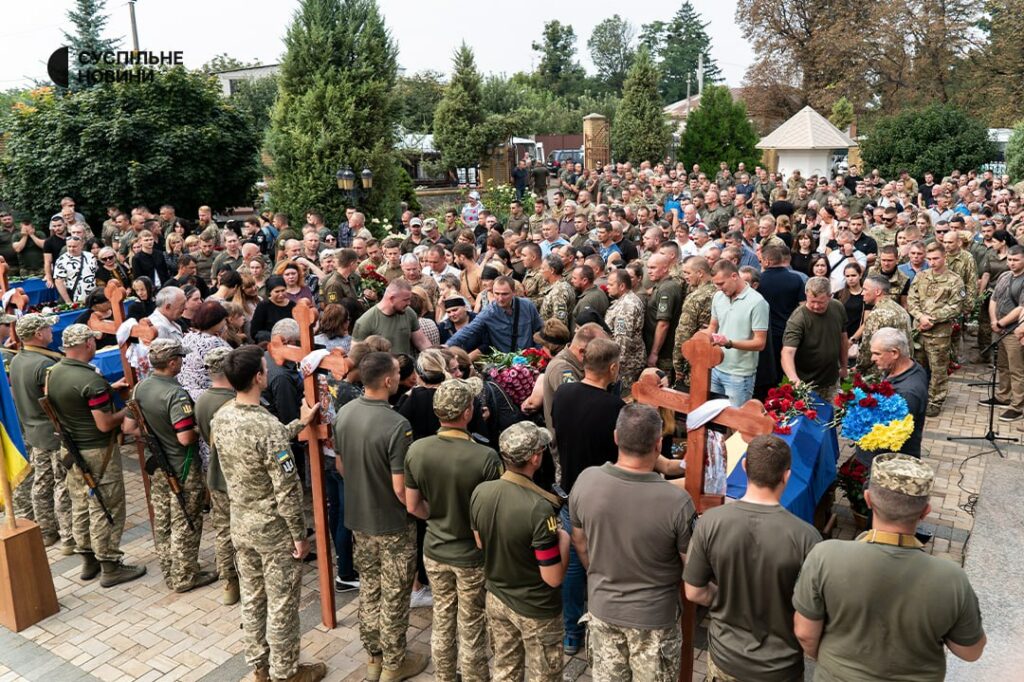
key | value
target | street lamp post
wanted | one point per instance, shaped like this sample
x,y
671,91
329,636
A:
x,y
347,184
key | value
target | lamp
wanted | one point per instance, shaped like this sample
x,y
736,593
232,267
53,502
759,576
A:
x,y
346,179
367,178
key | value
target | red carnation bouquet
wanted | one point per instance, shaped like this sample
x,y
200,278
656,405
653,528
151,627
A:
x,y
374,281
516,373
788,402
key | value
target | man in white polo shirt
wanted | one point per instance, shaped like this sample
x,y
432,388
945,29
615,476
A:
x,y
739,323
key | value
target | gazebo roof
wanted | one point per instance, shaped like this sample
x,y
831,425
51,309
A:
x,y
807,129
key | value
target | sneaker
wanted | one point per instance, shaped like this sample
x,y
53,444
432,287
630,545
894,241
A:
x,y
345,585
412,666
986,402
1011,415
571,645
421,598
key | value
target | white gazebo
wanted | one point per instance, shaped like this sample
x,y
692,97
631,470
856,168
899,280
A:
x,y
807,142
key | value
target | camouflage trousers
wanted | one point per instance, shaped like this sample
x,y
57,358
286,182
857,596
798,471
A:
x,y
220,516
984,328
716,674
177,545
620,654
22,498
51,504
630,369
521,643
386,566
934,354
269,580
91,530
458,610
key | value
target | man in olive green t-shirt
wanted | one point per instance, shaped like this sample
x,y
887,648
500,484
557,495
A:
x,y
393,319
371,441
441,473
880,608
815,347
743,562
525,557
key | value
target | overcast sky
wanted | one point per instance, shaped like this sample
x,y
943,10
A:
x,y
426,32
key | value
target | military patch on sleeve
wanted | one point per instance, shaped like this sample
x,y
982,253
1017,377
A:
x,y
567,377
186,408
284,458
663,304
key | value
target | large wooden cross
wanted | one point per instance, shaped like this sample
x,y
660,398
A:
x,y
145,332
318,430
750,420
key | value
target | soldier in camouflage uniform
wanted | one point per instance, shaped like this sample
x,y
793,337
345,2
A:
x,y
215,397
267,526
937,297
885,313
534,285
625,319
525,557
560,298
344,282
441,473
51,505
168,412
961,262
715,216
539,215
888,267
696,312
84,403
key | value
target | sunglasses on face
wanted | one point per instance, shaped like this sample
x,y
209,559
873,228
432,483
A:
x,y
73,238
107,258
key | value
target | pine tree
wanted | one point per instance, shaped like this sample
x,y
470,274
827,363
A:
x,y
558,70
335,107
676,46
458,120
719,130
842,114
88,20
640,131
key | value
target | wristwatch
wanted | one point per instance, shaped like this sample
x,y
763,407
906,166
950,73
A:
x,y
728,343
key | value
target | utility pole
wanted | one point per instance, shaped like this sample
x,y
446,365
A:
x,y
700,73
135,28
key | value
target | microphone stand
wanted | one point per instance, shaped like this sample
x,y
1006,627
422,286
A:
x,y
991,436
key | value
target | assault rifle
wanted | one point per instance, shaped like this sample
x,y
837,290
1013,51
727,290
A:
x,y
76,457
159,459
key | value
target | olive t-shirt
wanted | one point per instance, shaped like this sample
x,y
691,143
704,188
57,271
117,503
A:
x,y
209,402
446,468
372,439
637,526
168,411
817,342
396,328
28,376
887,611
75,389
519,532
664,305
754,553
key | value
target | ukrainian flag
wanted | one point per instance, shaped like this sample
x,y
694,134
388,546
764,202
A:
x,y
15,455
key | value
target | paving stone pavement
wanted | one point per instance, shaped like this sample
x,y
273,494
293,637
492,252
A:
x,y
140,631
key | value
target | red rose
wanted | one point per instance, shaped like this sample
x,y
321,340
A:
x,y
800,405
811,414
786,404
868,401
783,430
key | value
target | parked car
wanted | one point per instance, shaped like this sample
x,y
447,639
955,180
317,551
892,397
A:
x,y
562,156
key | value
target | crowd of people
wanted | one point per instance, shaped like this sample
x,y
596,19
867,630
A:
x,y
541,526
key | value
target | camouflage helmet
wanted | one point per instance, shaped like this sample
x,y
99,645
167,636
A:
x,y
28,325
453,396
214,359
521,440
902,474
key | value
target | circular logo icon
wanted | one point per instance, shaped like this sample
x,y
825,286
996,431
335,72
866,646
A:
x,y
57,67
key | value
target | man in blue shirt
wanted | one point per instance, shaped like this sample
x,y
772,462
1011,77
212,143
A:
x,y
552,239
506,325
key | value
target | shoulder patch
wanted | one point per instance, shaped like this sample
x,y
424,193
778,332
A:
x,y
567,377
284,458
552,524
186,408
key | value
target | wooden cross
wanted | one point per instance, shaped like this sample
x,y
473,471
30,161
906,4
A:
x,y
339,365
145,332
750,420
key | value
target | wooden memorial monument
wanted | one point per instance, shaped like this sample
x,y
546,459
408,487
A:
x,y
145,332
750,420
318,430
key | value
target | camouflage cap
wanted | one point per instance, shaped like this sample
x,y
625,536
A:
x,y
162,350
214,360
28,325
902,474
453,396
519,441
77,334
7,319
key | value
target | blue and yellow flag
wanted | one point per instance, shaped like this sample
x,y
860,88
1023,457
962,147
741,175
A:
x,y
15,455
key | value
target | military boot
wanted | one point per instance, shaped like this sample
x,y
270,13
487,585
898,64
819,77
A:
x,y
115,573
374,667
261,675
200,579
412,666
308,672
231,593
90,567
67,548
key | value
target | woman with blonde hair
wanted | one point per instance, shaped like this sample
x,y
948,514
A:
x,y
247,295
236,331
174,246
